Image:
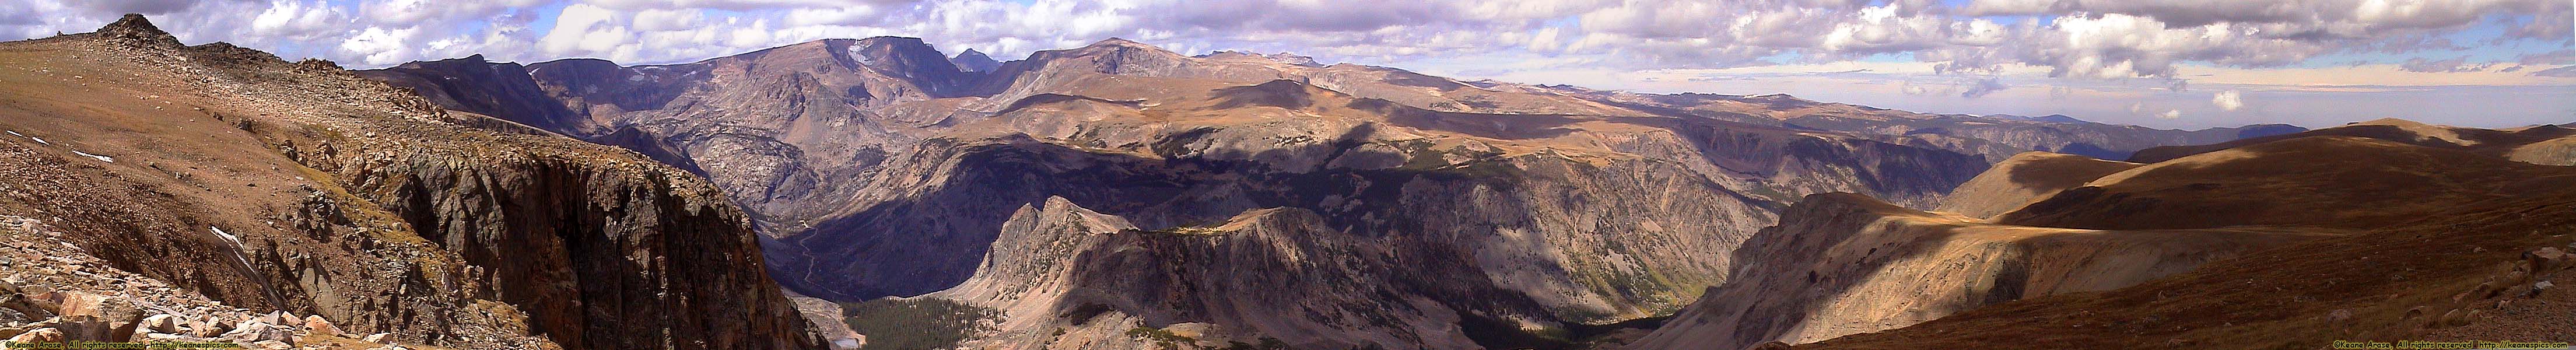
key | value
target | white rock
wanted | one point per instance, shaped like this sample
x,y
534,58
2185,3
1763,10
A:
x,y
318,325
162,323
256,331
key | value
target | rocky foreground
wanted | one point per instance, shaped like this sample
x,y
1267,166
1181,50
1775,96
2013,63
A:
x,y
56,292
211,192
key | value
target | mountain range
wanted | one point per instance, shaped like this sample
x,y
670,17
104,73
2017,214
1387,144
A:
x,y
879,193
877,169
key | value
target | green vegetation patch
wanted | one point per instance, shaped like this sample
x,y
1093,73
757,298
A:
x,y
1164,338
914,324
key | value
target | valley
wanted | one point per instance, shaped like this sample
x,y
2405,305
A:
x,y
881,193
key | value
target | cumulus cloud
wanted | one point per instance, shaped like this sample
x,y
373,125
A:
x,y
2228,100
2170,114
2085,39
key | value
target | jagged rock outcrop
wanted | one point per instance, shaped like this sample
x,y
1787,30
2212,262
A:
x,y
1061,273
272,185
2023,179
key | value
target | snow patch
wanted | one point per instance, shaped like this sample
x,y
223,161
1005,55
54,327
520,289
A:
x,y
219,232
237,245
40,140
864,60
94,156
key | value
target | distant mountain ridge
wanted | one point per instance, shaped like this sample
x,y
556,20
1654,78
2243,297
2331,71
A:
x,y
874,169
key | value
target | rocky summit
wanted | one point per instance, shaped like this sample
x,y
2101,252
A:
x,y
151,191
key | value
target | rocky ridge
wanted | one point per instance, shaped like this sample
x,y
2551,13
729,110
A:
x,y
298,186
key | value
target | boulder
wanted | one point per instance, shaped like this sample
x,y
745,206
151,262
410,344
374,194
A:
x,y
26,305
317,325
2457,317
378,338
278,318
2545,260
206,328
89,328
40,335
162,323
256,331
108,319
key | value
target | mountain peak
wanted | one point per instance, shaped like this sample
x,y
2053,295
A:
x,y
974,61
136,28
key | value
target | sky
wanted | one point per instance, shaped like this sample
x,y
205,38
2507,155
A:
x,y
2169,64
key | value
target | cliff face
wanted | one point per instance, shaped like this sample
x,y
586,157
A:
x,y
1059,266
304,188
